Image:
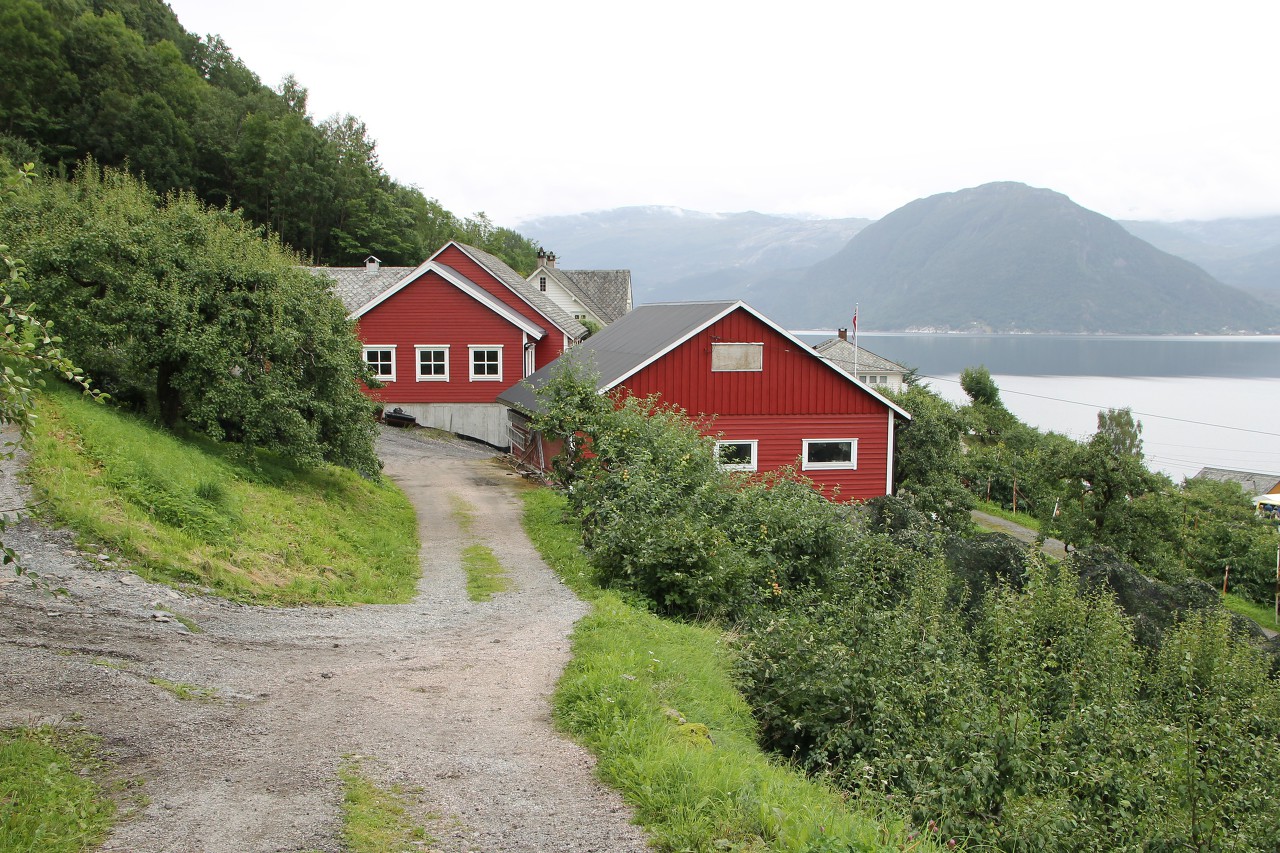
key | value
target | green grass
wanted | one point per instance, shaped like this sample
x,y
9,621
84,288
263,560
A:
x,y
463,513
485,575
1263,614
185,621
190,512
49,799
184,691
376,819
990,508
638,693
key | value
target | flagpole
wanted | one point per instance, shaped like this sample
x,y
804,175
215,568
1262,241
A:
x,y
855,340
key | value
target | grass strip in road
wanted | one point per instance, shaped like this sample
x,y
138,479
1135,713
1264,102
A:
x,y
655,701
49,800
377,819
188,511
485,575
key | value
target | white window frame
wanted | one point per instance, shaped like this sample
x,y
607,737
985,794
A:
x,y
418,350
471,362
391,348
745,466
759,350
851,465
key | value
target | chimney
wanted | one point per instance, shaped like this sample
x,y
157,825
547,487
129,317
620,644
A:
x,y
551,260
371,264
843,333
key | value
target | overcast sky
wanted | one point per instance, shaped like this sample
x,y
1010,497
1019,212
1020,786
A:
x,y
1139,110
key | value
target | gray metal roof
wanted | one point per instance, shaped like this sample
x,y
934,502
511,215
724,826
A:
x,y
537,299
842,353
1253,483
642,336
357,286
619,349
606,293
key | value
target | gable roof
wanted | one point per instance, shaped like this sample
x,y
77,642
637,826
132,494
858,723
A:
x,y
843,352
361,290
1253,483
605,293
355,286
534,298
645,335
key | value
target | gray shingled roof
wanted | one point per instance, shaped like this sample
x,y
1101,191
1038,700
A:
x,y
617,350
841,352
356,286
1253,483
606,293
539,300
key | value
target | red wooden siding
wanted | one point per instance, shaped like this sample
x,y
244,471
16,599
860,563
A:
x,y
550,346
781,441
793,397
431,311
792,381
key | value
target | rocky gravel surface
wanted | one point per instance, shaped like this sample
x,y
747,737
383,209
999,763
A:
x,y
445,696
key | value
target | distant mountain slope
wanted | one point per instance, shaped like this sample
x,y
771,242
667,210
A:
x,y
1243,253
680,254
1008,257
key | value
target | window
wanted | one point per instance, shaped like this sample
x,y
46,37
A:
x,y
382,360
823,453
736,455
737,357
542,283
872,379
486,363
433,363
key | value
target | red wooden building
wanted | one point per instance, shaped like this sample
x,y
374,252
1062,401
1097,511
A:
x,y
447,337
776,400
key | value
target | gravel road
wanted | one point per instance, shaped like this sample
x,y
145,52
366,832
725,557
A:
x,y
444,695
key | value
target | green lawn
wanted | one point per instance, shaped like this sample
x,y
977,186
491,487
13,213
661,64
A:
x,y
999,511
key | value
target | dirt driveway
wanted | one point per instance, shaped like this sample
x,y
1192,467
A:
x,y
444,694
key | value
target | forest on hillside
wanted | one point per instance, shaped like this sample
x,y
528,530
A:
x,y
122,82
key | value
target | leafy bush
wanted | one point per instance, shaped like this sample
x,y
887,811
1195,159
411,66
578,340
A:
x,y
1040,726
193,315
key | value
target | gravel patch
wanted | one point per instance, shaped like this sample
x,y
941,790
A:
x,y
443,695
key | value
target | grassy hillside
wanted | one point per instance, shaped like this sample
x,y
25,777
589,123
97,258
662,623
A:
x,y
187,511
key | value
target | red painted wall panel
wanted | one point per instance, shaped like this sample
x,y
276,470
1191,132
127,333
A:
x,y
433,311
780,442
550,346
793,397
791,381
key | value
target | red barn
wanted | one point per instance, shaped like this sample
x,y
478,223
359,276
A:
x,y
445,338
776,400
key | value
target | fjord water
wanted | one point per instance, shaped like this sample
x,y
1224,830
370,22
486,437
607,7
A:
x,y
1202,400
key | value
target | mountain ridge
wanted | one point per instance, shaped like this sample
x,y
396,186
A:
x,y
1031,258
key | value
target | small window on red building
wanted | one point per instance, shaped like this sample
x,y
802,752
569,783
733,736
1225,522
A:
x,y
731,357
